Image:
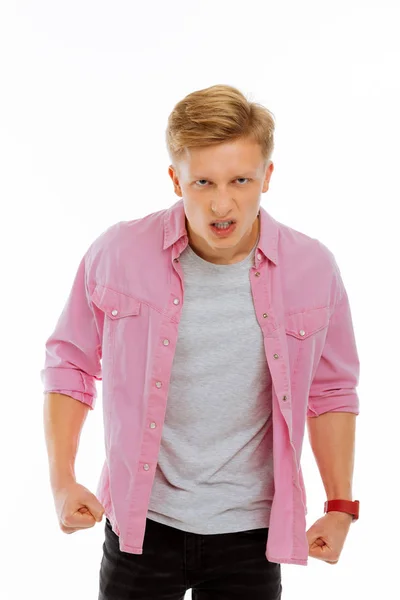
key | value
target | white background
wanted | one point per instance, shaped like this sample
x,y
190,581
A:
x,y
86,90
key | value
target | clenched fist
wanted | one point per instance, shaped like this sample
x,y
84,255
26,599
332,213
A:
x,y
76,507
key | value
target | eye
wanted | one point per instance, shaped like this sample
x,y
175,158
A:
x,y
235,180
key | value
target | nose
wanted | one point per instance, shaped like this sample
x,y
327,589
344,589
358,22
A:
x,y
221,212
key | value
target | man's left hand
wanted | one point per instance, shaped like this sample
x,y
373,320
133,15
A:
x,y
327,536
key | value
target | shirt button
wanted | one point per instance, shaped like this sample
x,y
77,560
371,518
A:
x,y
176,301
146,467
259,256
152,425
284,398
302,332
265,315
114,312
166,342
257,274
158,384
276,355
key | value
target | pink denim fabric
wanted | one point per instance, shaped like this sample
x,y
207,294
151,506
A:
x,y
120,326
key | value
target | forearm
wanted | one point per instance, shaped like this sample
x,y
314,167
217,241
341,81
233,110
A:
x,y
332,439
63,419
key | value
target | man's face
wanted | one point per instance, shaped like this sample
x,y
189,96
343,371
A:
x,y
222,182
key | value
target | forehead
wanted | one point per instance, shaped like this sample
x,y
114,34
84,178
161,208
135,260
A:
x,y
228,160
207,174
219,170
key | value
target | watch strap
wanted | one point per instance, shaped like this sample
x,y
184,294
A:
x,y
348,506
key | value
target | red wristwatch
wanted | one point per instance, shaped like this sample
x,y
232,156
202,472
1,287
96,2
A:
x,y
347,506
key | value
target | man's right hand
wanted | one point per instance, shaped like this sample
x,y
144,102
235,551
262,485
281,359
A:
x,y
76,507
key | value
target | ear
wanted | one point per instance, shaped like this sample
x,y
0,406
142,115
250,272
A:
x,y
172,173
267,178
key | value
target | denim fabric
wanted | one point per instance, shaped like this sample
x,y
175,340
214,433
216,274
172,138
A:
x,y
226,566
142,317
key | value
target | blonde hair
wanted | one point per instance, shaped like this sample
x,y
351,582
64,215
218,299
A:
x,y
217,114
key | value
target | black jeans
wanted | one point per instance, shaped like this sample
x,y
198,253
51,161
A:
x,y
222,566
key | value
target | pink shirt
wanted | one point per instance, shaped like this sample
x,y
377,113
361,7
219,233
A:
x,y
132,269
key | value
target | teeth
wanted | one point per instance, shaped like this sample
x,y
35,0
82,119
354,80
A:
x,y
223,225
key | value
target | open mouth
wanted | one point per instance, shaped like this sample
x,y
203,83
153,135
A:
x,y
223,230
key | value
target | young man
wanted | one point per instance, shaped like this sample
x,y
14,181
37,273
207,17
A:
x,y
215,344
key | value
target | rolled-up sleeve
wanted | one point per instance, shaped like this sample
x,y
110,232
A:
x,y
333,388
73,350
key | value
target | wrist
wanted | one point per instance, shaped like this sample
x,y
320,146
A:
x,y
341,515
59,482
343,506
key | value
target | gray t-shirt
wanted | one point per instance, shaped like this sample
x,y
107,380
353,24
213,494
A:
x,y
215,466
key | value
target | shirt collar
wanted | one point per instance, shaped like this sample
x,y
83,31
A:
x,y
175,229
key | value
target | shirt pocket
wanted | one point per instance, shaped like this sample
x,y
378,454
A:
x,y
118,316
305,335
115,305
